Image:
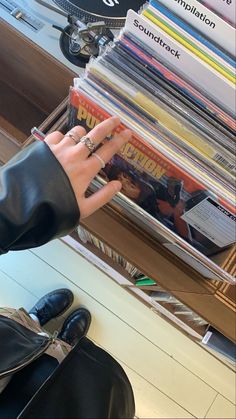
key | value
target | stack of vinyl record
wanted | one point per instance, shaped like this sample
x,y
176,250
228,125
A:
x,y
170,77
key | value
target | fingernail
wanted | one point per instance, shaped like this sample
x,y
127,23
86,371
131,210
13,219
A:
x,y
118,186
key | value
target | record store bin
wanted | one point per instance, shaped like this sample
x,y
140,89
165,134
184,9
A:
x,y
40,98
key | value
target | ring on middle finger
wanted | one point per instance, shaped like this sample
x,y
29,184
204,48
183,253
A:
x,y
88,143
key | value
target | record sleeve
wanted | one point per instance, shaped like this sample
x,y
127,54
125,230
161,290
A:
x,y
180,37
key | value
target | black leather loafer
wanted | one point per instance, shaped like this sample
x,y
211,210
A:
x,y
52,305
75,326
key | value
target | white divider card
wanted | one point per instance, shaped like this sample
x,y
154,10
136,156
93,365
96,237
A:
x,y
213,221
205,21
183,61
227,8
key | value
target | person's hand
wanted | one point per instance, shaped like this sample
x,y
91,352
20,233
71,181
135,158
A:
x,y
81,167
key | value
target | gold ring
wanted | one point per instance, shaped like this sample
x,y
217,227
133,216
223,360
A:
x,y
100,159
89,143
72,136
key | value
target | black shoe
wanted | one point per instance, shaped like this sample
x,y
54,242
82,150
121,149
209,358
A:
x,y
52,305
75,326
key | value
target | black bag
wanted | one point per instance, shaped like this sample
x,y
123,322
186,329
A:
x,y
19,346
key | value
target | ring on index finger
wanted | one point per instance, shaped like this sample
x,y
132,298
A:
x,y
88,143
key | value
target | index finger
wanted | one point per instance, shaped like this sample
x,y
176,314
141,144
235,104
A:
x,y
97,134
107,151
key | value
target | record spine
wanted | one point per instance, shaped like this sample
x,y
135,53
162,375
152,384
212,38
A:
x,y
162,70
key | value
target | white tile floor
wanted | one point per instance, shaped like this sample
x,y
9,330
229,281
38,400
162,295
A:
x,y
172,377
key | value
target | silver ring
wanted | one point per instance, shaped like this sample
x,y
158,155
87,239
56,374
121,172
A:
x,y
89,143
100,159
73,137
109,137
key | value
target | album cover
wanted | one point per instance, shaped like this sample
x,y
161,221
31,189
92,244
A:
x,y
160,142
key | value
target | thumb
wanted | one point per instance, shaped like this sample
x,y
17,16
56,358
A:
x,y
99,198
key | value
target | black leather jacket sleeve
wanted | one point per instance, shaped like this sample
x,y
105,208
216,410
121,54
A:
x,y
37,202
